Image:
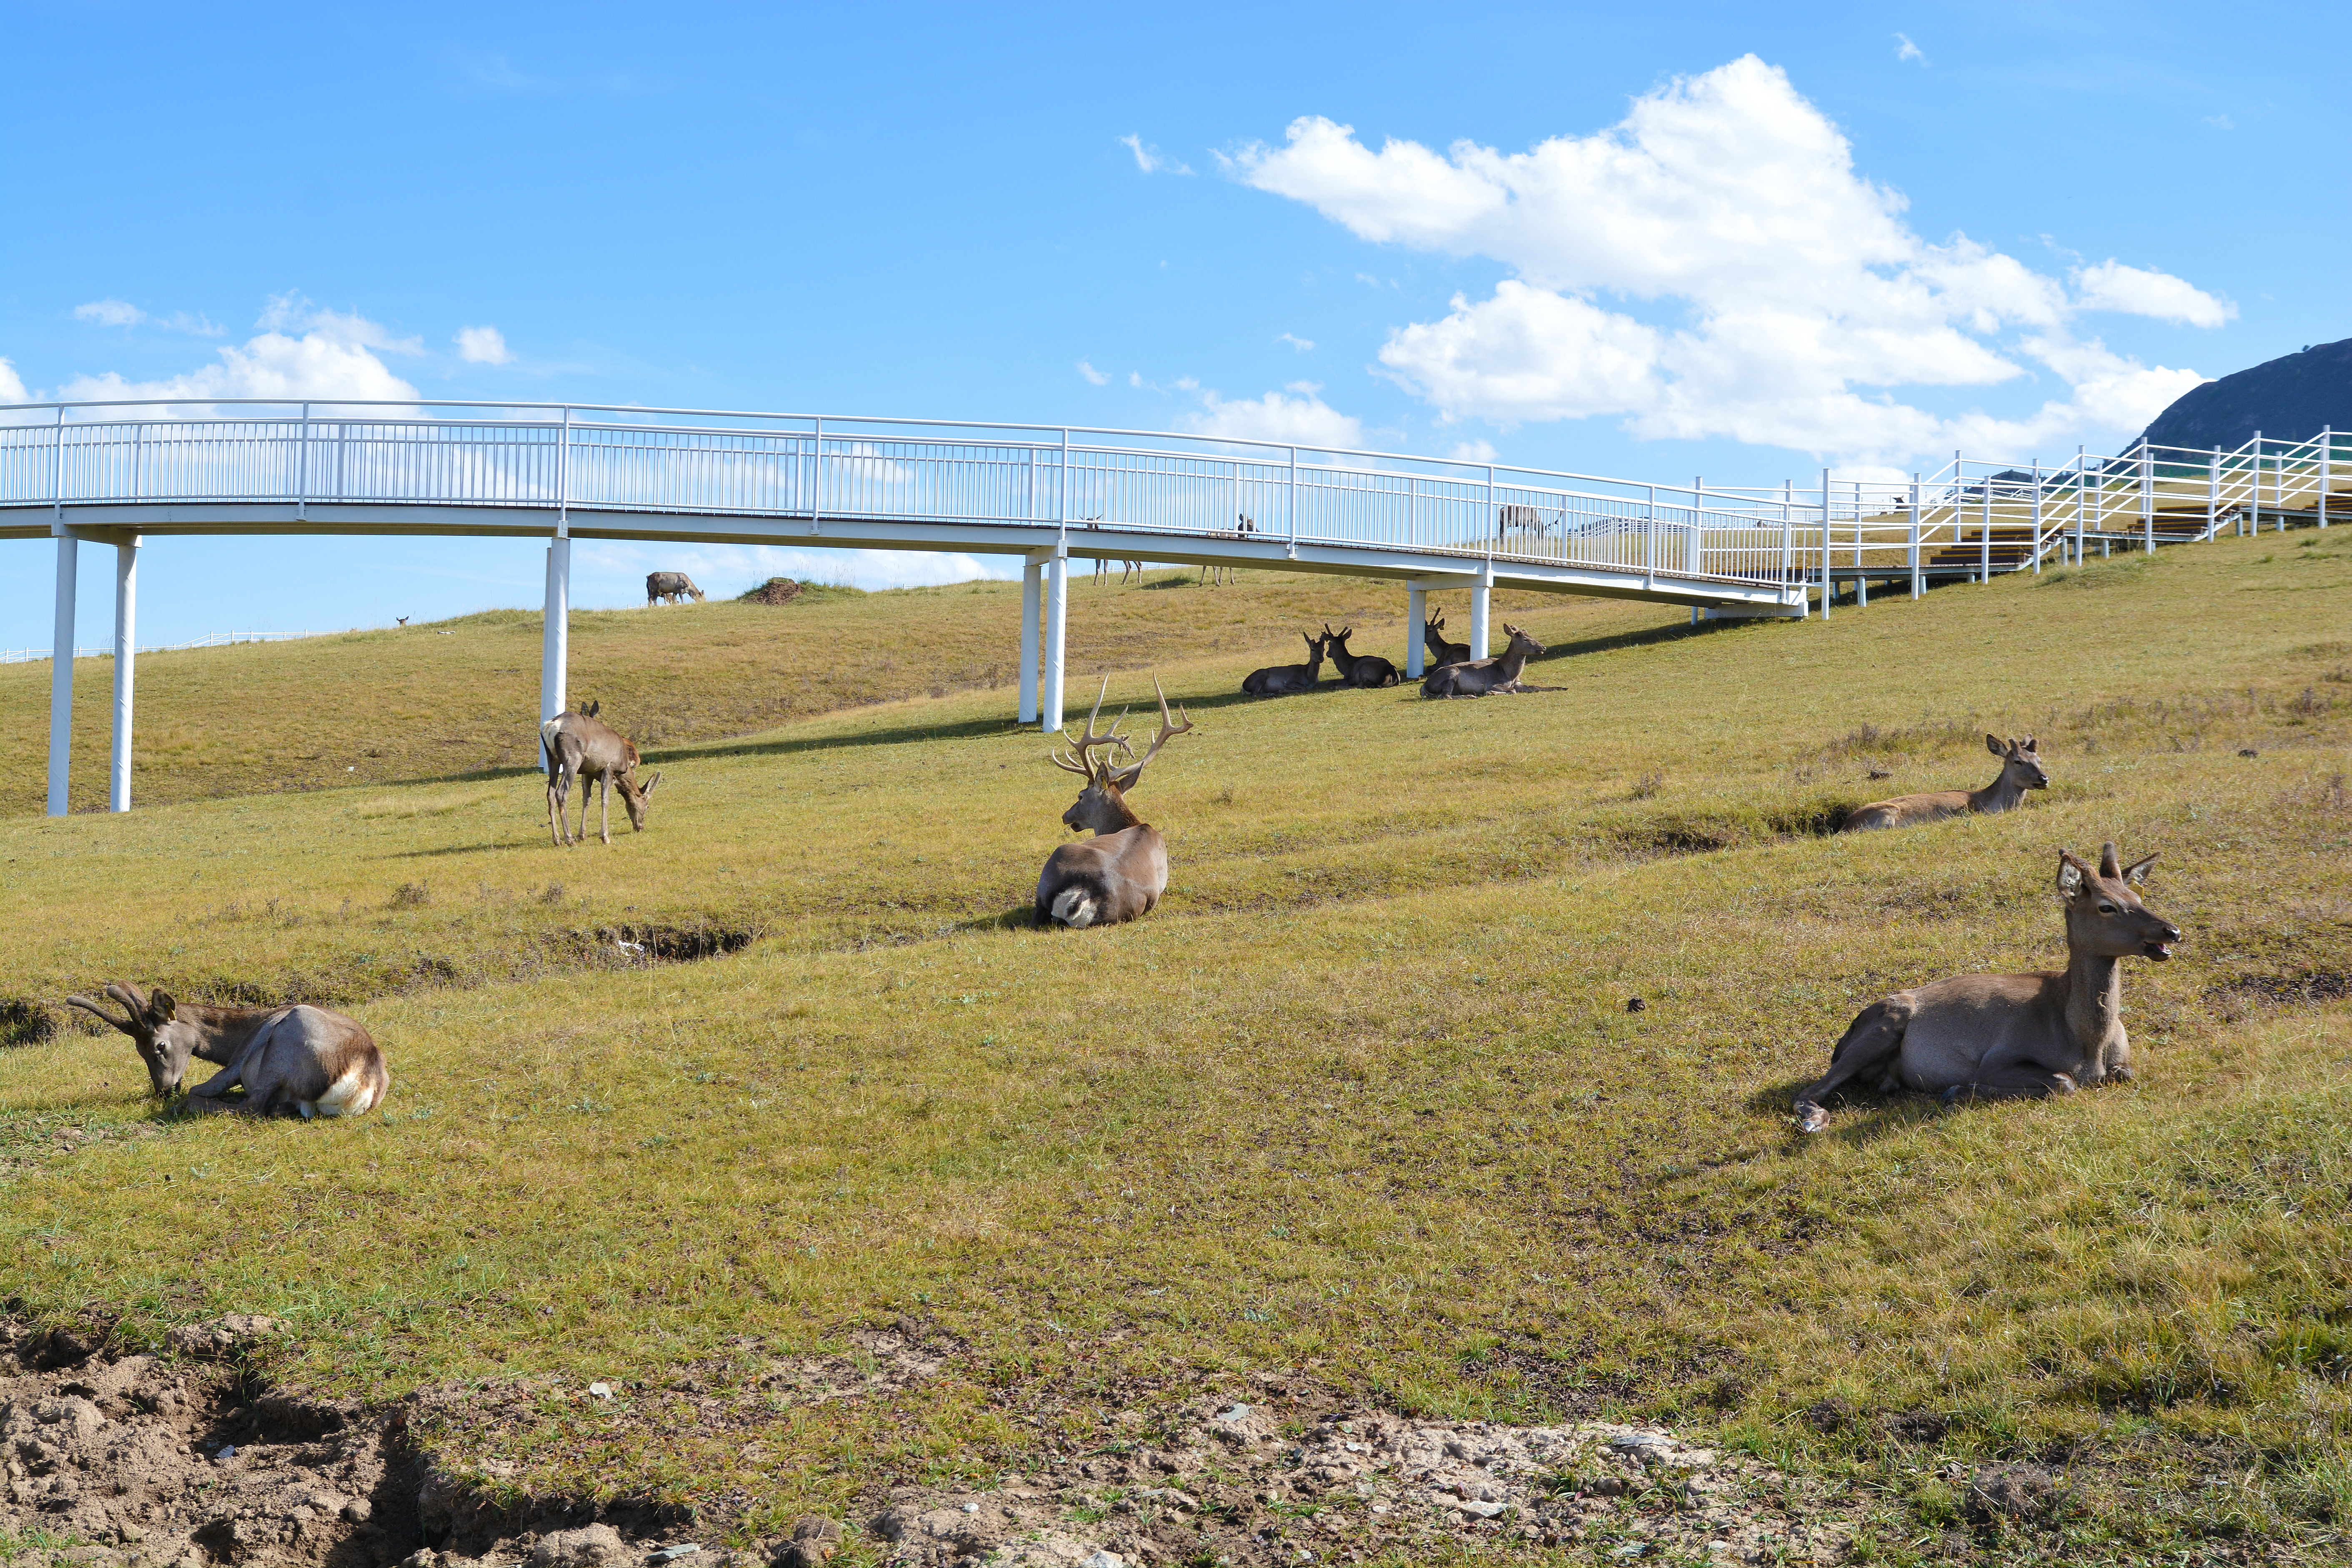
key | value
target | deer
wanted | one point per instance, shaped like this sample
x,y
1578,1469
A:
x,y
1286,680
1244,526
1443,652
1119,874
2012,1037
583,746
1365,672
319,1062
2021,770
670,586
403,619
1480,677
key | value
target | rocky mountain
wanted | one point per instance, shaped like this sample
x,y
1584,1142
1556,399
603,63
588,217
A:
x,y
2291,398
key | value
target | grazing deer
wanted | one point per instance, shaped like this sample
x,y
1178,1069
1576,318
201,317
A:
x,y
1443,652
581,746
1366,671
1120,873
1244,526
1286,680
320,1063
2021,770
404,620
671,586
1478,677
1129,569
2008,1037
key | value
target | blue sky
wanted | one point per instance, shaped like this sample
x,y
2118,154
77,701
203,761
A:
x,y
1656,241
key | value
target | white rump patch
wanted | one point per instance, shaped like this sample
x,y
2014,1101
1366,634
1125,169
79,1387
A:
x,y
1073,908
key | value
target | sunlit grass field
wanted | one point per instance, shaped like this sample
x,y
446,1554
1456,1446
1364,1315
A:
x,y
1363,1097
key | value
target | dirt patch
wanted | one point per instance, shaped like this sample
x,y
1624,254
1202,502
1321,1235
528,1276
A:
x,y
2318,986
25,1022
774,591
673,944
1263,1482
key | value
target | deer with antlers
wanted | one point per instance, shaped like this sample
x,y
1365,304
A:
x,y
2012,1037
319,1062
1479,677
1443,652
1366,671
1120,873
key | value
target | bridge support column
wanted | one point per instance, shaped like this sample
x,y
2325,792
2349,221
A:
x,y
126,665
555,637
1416,604
1030,572
61,663
1480,646
1057,620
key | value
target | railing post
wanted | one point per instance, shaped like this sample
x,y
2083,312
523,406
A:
x,y
1694,553
61,663
1293,552
2146,499
1860,572
1031,571
816,474
2213,493
1915,585
2327,467
126,663
1057,621
1416,608
1829,587
2081,468
1789,539
1649,545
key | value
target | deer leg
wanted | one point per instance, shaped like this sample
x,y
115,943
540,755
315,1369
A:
x,y
1871,1043
2011,1081
603,806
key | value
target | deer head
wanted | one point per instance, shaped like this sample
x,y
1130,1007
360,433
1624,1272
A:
x,y
1102,807
2020,768
633,795
165,1041
2103,916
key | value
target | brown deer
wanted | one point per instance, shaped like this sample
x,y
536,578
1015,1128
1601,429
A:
x,y
2021,770
581,746
1443,652
671,586
2008,1037
1287,679
1478,677
1364,670
1120,873
320,1063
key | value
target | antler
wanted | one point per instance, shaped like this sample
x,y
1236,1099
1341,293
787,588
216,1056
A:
x,y
1083,763
87,1005
1168,730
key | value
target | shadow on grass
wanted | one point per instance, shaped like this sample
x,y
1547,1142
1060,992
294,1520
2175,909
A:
x,y
1857,1117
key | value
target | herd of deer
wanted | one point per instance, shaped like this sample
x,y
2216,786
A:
x,y
1974,1037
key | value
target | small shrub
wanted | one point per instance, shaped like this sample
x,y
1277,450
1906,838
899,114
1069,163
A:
x,y
1649,785
410,896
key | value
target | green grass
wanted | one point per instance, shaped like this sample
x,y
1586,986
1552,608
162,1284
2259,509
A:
x,y
1363,1098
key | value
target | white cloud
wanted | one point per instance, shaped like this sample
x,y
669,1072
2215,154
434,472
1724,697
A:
x,y
1785,293
613,572
1472,452
122,314
12,385
2136,291
1135,378
1152,161
1101,378
1303,345
2220,123
111,313
1298,417
334,358
1907,50
482,345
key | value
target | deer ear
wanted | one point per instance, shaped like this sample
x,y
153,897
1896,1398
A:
x,y
2071,874
161,1008
649,786
2026,744
2136,872
2110,863
1992,745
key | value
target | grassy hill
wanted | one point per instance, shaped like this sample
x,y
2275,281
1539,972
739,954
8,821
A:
x,y
1362,1102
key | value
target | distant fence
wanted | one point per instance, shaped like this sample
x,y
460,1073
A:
x,y
218,639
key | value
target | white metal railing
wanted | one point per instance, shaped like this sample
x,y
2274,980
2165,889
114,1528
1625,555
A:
x,y
215,639
1970,517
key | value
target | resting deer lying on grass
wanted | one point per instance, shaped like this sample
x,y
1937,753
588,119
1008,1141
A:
x,y
2008,1037
320,1063
1286,680
1367,670
2020,770
1120,873
1443,652
1480,676
581,746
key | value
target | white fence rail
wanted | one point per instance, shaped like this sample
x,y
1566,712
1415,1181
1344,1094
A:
x,y
216,640
1970,518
